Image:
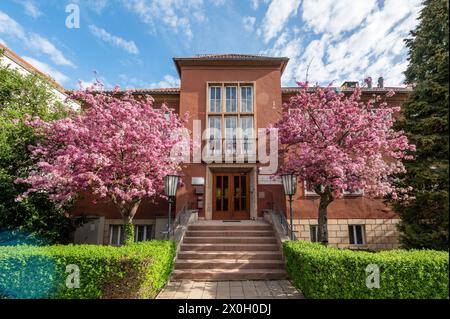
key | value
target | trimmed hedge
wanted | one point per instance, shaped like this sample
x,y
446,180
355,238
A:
x,y
325,272
139,270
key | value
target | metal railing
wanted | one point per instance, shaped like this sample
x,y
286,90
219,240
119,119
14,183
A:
x,y
231,146
182,217
284,223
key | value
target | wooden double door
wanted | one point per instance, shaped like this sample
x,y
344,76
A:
x,y
231,196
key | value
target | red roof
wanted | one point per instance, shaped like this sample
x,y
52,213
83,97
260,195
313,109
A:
x,y
230,58
295,89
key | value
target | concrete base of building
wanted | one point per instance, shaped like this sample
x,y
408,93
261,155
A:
x,y
378,234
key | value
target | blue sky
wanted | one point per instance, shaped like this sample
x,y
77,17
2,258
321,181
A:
x,y
132,42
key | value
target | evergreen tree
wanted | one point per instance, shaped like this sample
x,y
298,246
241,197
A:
x,y
424,221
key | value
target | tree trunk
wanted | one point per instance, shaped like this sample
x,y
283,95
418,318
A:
x,y
326,197
128,211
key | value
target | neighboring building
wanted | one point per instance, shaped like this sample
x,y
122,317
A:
x,y
227,92
11,59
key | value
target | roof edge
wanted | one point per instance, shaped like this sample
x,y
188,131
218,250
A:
x,y
30,68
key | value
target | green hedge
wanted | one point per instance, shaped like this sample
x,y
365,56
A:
x,y
326,272
139,270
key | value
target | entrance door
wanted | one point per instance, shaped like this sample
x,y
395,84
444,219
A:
x,y
231,196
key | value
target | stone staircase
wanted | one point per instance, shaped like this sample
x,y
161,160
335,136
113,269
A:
x,y
229,251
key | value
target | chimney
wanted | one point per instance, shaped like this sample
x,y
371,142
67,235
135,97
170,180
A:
x,y
381,82
368,81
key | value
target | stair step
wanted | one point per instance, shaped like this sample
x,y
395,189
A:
x,y
236,255
229,233
229,247
231,227
229,240
228,264
229,274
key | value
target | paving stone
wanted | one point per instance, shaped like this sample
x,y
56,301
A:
x,y
188,289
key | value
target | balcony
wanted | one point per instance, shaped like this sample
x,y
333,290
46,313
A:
x,y
232,148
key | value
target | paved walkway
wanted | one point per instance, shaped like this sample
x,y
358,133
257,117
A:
x,y
188,289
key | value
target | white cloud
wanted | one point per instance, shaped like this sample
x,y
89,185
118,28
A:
x,y
34,41
219,2
175,15
255,3
46,69
102,34
333,16
167,81
31,9
3,42
248,23
277,17
132,82
10,27
97,5
374,47
44,46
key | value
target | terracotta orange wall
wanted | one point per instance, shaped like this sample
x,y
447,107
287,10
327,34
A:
x,y
85,205
193,100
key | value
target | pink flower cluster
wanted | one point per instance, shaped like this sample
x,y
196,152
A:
x,y
339,142
118,147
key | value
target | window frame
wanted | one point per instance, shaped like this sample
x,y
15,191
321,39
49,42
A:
x,y
316,239
238,113
220,100
363,234
241,99
136,227
119,235
308,192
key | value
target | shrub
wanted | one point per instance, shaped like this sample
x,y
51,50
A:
x,y
326,272
139,270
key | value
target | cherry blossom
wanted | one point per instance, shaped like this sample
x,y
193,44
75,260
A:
x,y
339,143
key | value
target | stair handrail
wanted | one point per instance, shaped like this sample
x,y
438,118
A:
x,y
287,227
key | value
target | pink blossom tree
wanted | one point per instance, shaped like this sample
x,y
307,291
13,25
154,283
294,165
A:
x,y
338,143
118,147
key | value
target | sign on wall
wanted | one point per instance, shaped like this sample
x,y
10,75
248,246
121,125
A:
x,y
198,181
269,180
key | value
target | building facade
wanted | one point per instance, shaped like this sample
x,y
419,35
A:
x,y
228,98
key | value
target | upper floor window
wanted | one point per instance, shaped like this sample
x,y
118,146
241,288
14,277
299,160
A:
x,y
231,99
215,99
231,127
246,99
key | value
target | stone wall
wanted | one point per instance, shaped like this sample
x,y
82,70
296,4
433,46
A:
x,y
379,234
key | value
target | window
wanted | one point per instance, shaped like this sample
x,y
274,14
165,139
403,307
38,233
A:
x,y
358,192
247,137
230,99
356,234
314,233
143,232
246,99
215,133
308,191
215,99
231,128
116,235
230,134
